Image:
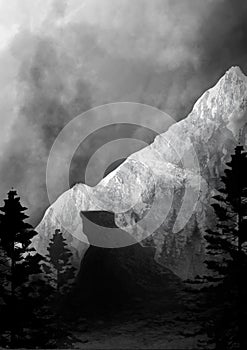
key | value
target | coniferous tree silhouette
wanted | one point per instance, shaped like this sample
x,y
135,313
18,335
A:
x,y
222,290
59,274
17,264
230,206
226,250
58,268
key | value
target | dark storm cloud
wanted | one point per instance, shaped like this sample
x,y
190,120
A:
x,y
165,53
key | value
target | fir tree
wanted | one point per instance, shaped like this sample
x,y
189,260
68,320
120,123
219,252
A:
x,y
58,268
226,251
221,291
227,244
59,274
18,263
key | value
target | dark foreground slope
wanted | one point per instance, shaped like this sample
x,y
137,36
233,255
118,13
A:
x,y
124,299
116,279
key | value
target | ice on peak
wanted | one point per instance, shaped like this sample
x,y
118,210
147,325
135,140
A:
x,y
236,71
219,111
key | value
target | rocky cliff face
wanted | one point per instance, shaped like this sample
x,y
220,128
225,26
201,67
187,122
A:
x,y
156,175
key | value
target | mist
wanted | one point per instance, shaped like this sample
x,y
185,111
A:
x,y
61,58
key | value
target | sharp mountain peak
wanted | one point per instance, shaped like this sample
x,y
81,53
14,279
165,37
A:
x,y
210,130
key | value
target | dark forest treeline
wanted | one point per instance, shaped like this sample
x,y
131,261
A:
x,y
221,294
32,287
35,289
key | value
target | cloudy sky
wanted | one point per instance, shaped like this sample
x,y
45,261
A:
x,y
59,58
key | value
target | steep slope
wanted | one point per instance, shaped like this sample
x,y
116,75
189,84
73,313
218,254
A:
x,y
154,181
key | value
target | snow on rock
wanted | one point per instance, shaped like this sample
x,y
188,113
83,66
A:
x,y
157,171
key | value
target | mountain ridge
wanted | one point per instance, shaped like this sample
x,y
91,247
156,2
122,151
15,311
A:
x,y
212,130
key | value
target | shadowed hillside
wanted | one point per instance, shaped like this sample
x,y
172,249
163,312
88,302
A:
x,y
119,277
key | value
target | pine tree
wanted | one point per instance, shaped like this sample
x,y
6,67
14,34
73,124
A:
x,y
226,250
58,268
230,206
59,274
18,263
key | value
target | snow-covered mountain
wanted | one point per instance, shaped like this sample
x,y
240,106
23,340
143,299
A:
x,y
157,173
